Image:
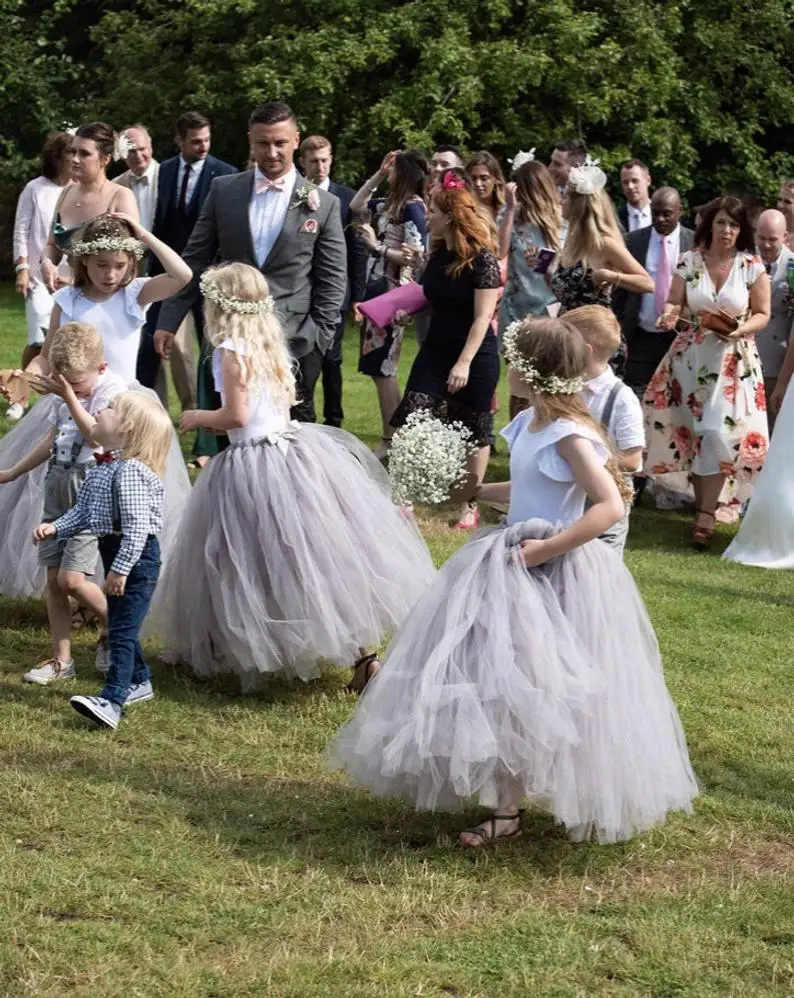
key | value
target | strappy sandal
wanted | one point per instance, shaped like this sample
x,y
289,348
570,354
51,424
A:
x,y
364,669
517,832
702,535
82,617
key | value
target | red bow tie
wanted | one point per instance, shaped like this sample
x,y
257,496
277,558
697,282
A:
x,y
104,458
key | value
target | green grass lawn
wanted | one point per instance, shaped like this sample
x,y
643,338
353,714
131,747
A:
x,y
203,851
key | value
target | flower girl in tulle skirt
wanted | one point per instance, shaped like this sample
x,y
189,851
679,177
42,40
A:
x,y
291,552
530,668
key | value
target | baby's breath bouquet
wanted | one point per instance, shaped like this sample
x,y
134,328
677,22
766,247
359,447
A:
x,y
427,458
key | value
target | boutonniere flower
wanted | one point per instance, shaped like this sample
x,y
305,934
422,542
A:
x,y
306,196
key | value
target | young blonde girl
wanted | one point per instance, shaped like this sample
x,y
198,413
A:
x,y
290,553
121,502
107,295
530,669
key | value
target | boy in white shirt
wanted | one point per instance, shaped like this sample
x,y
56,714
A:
x,y
610,401
80,376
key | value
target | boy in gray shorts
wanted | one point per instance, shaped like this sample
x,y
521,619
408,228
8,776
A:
x,y
80,377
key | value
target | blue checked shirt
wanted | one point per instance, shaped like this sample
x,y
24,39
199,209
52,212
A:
x,y
136,513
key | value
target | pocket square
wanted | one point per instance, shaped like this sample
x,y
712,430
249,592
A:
x,y
310,225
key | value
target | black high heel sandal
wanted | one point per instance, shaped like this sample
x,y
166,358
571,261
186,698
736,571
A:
x,y
364,669
517,832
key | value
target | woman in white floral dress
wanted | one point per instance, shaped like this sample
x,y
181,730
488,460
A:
x,y
705,409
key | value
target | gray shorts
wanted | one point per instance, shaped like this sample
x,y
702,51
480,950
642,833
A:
x,y
72,554
617,534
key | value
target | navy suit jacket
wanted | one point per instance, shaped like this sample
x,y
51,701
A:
x,y
356,251
168,225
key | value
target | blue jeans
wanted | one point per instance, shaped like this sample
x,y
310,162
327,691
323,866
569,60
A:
x,y
125,615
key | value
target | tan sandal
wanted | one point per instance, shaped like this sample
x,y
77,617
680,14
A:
x,y
701,534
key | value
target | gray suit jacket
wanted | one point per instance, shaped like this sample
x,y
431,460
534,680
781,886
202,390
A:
x,y
773,340
306,270
626,304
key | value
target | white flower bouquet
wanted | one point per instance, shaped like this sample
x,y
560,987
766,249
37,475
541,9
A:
x,y
427,459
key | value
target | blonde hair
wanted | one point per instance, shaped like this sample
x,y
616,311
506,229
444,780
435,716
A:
x,y
76,349
539,202
145,428
599,327
258,339
591,220
556,349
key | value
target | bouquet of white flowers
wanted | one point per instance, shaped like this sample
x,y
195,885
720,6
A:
x,y
427,458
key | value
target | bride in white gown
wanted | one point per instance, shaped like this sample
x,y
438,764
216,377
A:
x,y
766,537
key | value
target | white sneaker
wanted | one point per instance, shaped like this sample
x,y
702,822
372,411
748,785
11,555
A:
x,y
139,693
48,672
102,659
103,712
15,412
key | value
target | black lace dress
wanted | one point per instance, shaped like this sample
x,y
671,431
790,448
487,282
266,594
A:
x,y
452,299
573,287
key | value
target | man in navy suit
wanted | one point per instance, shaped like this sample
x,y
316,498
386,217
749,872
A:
x,y
315,156
183,185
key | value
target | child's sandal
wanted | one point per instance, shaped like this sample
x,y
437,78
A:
x,y
517,832
364,669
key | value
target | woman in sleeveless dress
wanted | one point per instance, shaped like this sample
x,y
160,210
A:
x,y
594,259
705,409
89,195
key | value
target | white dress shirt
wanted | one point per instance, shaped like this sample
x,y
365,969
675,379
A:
x,y
639,218
647,316
267,212
33,221
627,422
193,179
145,190
324,185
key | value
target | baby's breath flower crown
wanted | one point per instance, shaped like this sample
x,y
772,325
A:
x,y
112,244
226,303
546,384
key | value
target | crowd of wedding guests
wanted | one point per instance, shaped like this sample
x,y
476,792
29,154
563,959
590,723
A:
x,y
538,239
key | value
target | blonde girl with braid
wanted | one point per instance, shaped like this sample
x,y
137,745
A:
x,y
530,671
291,555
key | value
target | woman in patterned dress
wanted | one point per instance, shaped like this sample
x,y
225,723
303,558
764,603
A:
x,y
705,409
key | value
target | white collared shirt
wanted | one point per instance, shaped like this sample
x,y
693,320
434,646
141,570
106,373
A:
x,y
324,185
267,212
639,218
193,179
626,424
145,190
647,317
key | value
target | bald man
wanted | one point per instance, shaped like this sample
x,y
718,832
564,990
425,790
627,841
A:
x,y
771,238
657,248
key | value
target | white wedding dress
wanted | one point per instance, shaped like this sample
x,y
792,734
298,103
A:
x,y
766,537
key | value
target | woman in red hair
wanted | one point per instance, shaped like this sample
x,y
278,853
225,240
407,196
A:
x,y
457,368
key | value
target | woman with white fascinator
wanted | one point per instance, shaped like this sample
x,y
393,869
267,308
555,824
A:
x,y
594,259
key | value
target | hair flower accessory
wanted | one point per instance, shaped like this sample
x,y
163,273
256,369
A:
x,y
122,146
227,303
545,384
522,157
110,244
452,182
587,178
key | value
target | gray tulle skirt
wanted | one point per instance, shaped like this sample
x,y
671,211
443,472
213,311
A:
x,y
22,501
509,682
291,555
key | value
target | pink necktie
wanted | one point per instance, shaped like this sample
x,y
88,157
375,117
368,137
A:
x,y
664,277
263,184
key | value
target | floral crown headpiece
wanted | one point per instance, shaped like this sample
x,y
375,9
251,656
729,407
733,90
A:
x,y
226,303
520,158
587,178
112,244
547,384
452,182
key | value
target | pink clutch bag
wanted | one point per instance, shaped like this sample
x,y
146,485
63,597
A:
x,y
404,298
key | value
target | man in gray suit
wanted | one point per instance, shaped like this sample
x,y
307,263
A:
x,y
771,237
657,247
272,218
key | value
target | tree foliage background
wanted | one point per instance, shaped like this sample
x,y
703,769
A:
x,y
704,92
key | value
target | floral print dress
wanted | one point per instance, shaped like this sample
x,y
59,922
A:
x,y
705,408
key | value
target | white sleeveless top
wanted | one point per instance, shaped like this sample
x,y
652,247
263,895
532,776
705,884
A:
x,y
264,418
118,321
542,483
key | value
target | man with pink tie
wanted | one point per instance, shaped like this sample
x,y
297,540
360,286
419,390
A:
x,y
657,247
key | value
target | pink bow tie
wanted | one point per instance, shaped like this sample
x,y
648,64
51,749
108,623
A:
x,y
263,184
